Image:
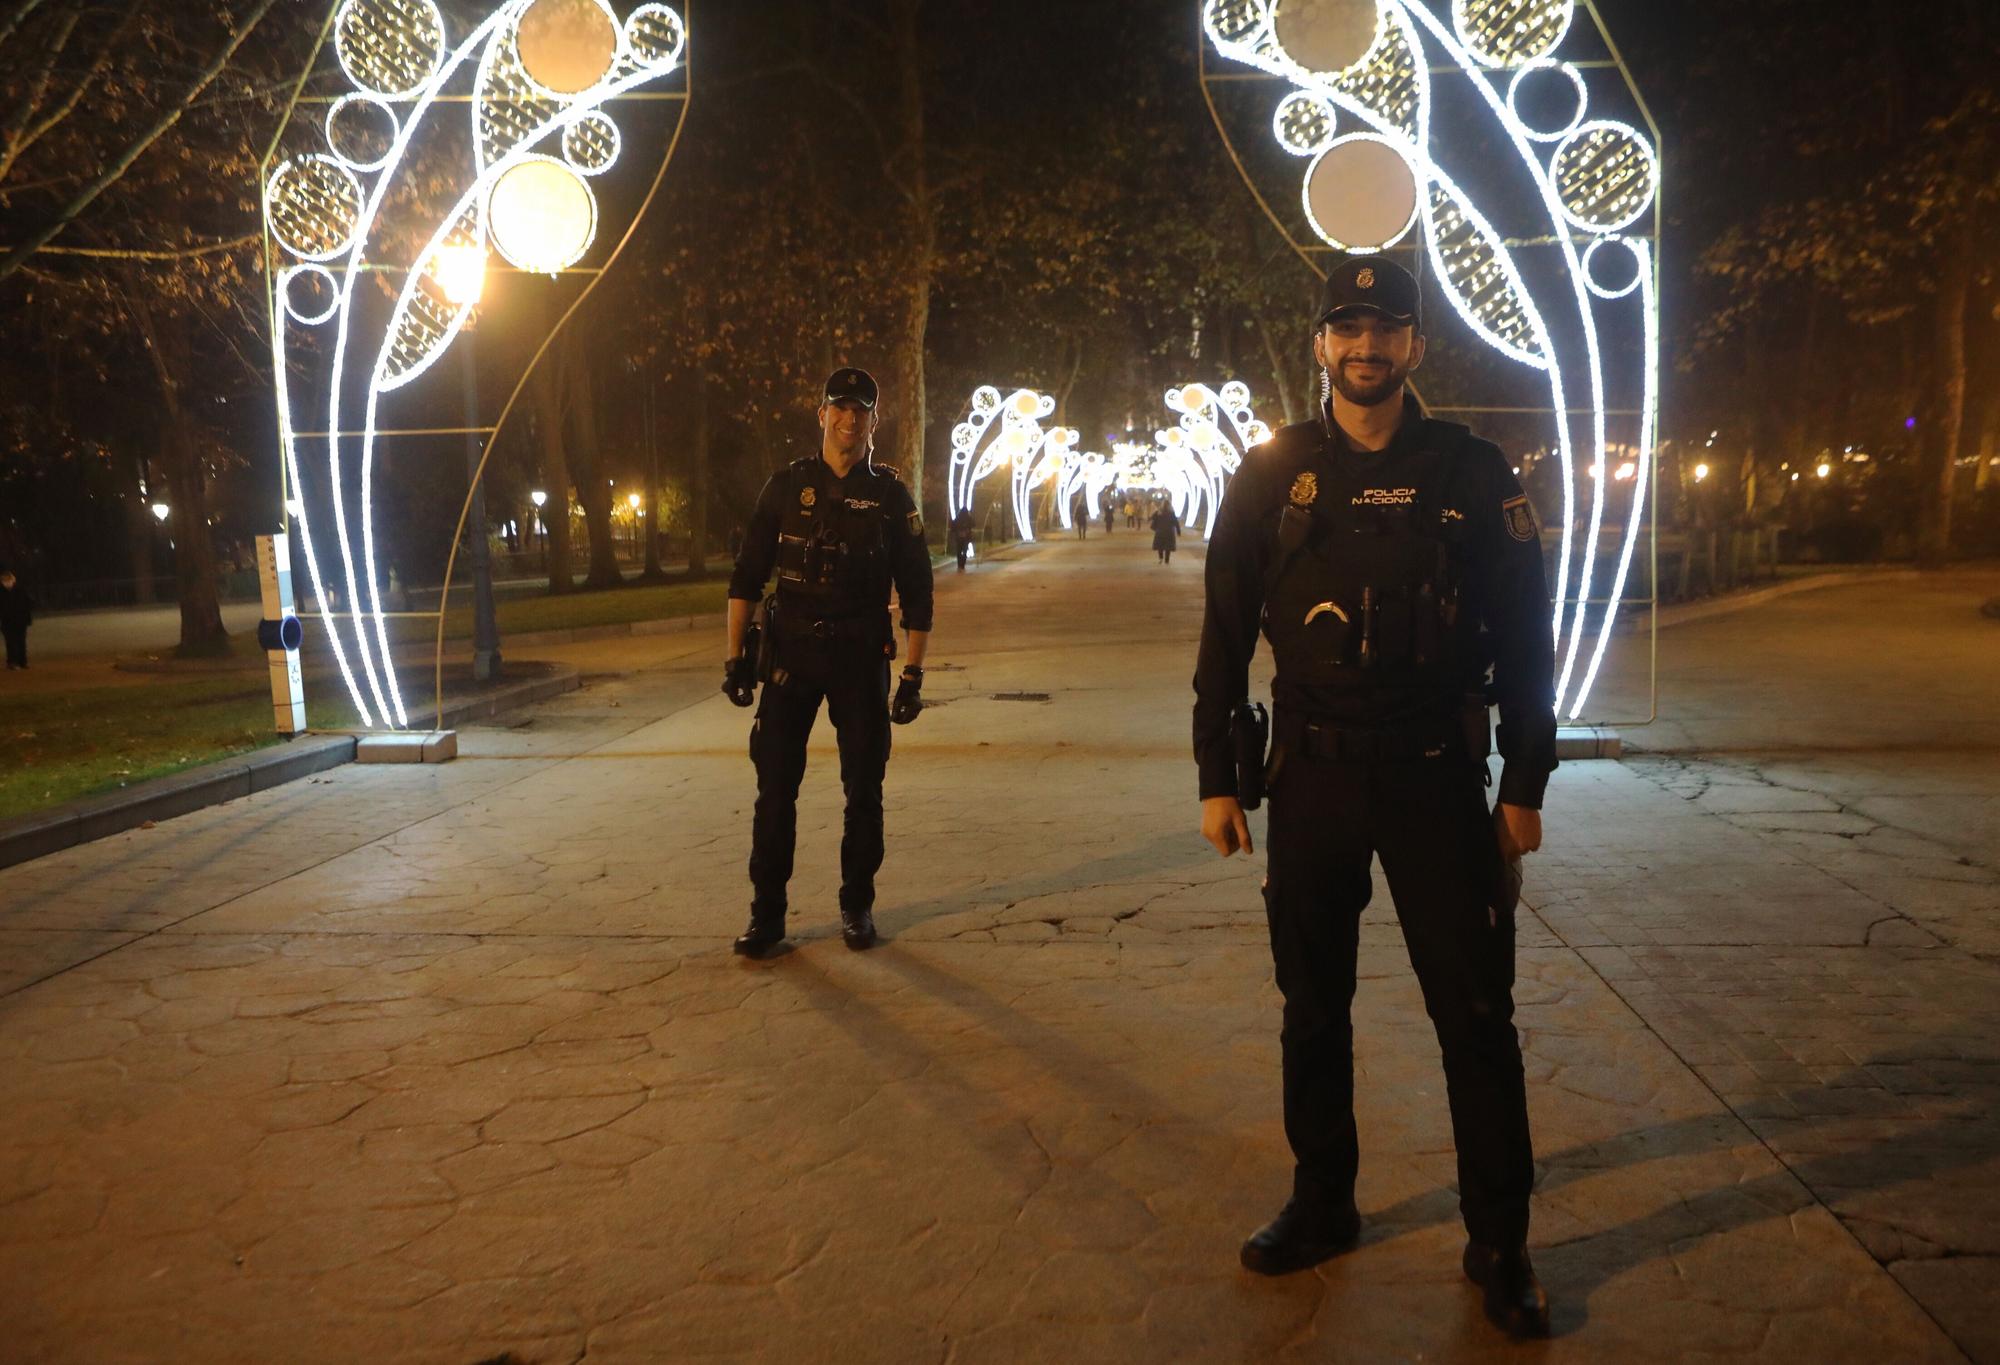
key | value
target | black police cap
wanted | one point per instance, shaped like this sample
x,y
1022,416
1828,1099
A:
x,y
1375,283
858,385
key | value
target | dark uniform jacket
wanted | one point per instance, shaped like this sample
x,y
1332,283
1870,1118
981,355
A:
x,y
17,609
1428,548
836,545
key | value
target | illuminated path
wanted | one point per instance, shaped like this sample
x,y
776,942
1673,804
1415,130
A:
x,y
432,1064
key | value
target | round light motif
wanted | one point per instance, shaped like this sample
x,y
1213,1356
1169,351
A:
x,y
361,130
1232,21
1361,193
1327,37
567,46
1614,290
1304,122
1527,73
1511,32
389,48
1605,176
591,144
315,204
543,217
1026,403
655,35
310,293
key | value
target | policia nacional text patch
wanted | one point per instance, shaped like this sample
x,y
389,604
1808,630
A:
x,y
1520,516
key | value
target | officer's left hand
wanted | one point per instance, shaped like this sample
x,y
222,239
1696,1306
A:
x,y
908,700
1519,828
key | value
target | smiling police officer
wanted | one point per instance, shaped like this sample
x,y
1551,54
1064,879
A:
x,y
1396,568
839,530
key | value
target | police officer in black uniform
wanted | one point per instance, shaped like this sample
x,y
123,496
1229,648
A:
x,y
839,530
1395,566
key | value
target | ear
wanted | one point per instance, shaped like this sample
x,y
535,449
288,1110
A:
x,y
1319,346
1418,348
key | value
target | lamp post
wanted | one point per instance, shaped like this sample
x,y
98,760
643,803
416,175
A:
x,y
461,270
540,498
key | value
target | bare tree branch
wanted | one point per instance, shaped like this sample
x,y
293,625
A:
x,y
111,173
13,21
37,88
152,254
89,78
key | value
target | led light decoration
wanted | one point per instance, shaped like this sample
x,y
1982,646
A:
x,y
1006,433
1589,180
1216,430
542,73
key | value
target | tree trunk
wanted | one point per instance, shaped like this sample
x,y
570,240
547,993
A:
x,y
1279,380
166,342
697,557
923,240
593,485
555,473
1987,441
1954,288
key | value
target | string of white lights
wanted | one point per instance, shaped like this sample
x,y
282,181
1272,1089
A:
x,y
1649,430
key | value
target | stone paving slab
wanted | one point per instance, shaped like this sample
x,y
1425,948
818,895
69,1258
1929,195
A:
x,y
438,1063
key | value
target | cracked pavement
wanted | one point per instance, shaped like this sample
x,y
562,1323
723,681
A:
x,y
436,1064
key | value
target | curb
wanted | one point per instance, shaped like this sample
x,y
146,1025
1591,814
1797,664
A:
x,y
90,818
1684,613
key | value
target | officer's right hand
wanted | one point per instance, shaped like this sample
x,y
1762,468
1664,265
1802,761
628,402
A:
x,y
739,680
1223,825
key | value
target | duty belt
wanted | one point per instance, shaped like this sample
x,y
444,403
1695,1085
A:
x,y
1323,739
843,628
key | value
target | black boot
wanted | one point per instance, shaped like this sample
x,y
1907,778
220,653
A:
x,y
857,928
1515,1301
765,933
1302,1235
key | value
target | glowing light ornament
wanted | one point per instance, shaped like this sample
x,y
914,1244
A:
x,y
1006,433
1217,430
542,74
1599,179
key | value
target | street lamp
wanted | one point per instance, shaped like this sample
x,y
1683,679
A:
x,y
1824,470
460,270
160,510
540,499
1700,472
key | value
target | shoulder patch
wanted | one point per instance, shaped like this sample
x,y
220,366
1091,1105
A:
x,y
916,521
886,471
1519,515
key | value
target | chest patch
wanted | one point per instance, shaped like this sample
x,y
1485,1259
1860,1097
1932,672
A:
x,y
808,496
1305,489
1385,497
861,504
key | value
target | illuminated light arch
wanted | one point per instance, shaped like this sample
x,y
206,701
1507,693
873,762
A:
x,y
1601,177
1217,430
1006,433
395,50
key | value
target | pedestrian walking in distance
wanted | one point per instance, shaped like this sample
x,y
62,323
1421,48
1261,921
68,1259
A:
x,y
961,536
840,531
1394,564
17,613
1166,532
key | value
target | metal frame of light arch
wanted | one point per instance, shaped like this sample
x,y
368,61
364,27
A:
x,y
479,44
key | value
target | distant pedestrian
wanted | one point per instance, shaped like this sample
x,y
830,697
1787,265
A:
x,y
17,613
1107,516
1166,533
1080,514
961,529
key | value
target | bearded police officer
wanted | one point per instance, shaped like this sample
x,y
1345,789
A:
x,y
839,530
1395,566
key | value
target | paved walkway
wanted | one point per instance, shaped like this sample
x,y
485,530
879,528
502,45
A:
x,y
435,1064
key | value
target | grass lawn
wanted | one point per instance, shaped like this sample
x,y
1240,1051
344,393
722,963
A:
x,y
58,746
523,615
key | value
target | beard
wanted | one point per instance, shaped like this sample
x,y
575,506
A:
x,y
1369,395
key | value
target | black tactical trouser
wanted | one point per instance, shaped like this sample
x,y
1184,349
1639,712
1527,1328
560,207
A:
x,y
1427,820
852,677
17,645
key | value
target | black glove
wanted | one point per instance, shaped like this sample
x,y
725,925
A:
x,y
908,702
739,680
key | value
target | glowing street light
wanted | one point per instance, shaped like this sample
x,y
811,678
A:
x,y
160,510
460,270
632,501
1824,470
1700,472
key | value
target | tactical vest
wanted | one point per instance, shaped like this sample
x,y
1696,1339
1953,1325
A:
x,y
1366,581
833,546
